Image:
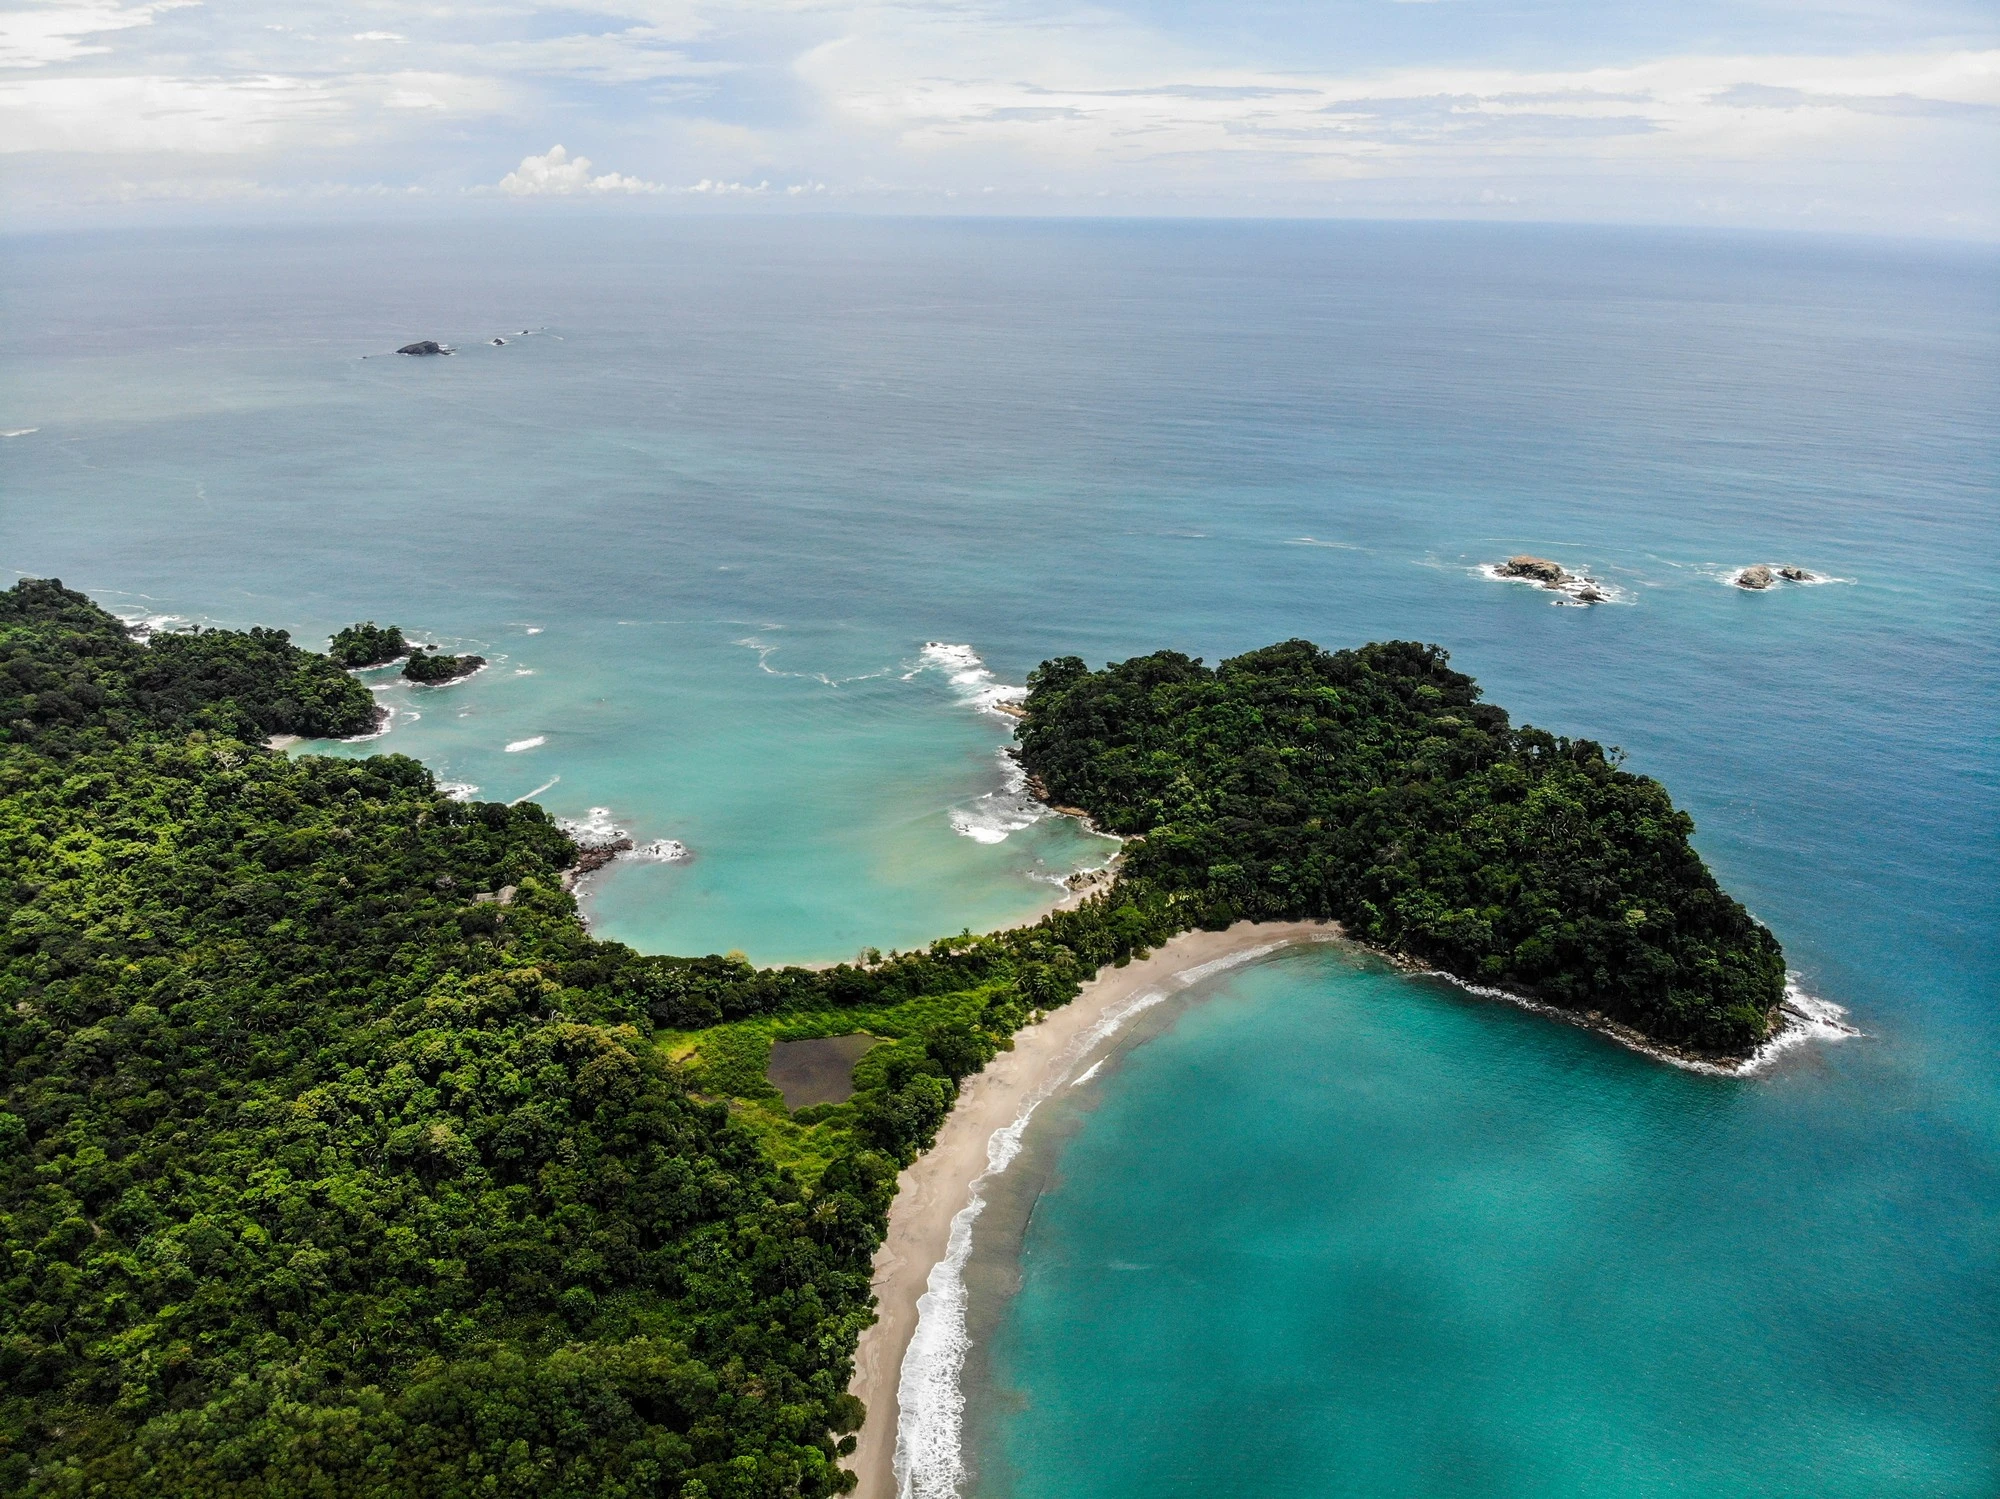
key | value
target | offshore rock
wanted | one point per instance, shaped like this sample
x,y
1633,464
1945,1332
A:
x,y
1538,568
1757,578
423,346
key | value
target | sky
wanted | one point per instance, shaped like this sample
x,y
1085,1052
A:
x,y
1874,116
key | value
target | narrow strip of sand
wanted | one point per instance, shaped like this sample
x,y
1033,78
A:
x,y
932,1191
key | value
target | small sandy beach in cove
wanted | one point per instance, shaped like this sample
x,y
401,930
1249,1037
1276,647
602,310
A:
x,y
931,1192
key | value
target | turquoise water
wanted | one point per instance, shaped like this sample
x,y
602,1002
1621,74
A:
x,y
1482,1255
743,472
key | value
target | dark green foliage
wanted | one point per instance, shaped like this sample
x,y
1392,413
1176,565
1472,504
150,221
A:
x,y
1373,786
435,667
72,675
319,1178
321,1175
367,644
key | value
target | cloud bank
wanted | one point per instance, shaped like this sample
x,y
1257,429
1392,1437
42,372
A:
x,y
1782,112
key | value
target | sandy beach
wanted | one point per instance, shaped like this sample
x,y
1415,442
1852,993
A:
x,y
931,1192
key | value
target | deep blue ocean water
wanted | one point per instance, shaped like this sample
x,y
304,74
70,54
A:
x,y
1393,1240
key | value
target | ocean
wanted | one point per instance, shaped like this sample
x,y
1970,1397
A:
x,y
754,520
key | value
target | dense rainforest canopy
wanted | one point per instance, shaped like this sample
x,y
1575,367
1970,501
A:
x,y
367,644
1374,787
434,667
339,1160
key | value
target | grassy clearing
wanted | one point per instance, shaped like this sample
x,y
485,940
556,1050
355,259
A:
x,y
732,1062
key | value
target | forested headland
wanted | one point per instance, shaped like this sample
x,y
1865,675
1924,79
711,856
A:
x,y
1374,787
328,1171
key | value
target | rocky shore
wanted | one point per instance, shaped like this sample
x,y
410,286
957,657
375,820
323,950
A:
x,y
1540,571
1762,575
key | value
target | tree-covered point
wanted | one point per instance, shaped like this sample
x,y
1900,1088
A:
x,y
368,644
71,674
433,667
1374,787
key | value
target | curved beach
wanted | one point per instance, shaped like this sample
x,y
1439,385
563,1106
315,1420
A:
x,y
932,1192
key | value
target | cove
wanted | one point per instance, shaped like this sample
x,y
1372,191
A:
x,y
1333,1230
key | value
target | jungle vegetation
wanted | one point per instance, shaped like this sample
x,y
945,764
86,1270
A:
x,y
367,644
433,667
1373,786
326,1171
321,1176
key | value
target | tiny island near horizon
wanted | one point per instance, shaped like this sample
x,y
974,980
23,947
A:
x,y
341,1158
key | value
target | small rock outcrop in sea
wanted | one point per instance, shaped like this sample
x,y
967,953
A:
x,y
1553,576
591,857
1762,575
1536,569
424,346
499,343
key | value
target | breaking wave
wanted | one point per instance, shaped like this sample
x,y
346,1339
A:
x,y
992,817
599,829
975,685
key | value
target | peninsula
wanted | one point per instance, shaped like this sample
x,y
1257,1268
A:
x,y
328,1170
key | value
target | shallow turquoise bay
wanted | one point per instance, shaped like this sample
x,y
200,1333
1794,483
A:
x,y
1327,1231
1336,1231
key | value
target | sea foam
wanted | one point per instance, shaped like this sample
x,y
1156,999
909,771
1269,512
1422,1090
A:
x,y
975,685
1568,592
929,1462
518,745
1804,1017
992,817
599,829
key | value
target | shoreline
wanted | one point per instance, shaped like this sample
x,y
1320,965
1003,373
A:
x,y
933,1193
938,1198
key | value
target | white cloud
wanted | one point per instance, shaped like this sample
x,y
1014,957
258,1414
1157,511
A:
x,y
636,55
1013,103
556,173
1110,113
226,116
35,36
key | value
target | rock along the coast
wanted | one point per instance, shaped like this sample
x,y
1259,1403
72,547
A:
x,y
1538,568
